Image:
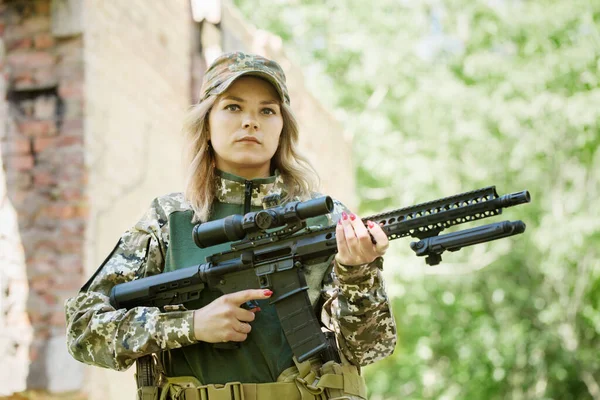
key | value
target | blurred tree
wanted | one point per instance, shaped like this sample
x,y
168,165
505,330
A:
x,y
443,97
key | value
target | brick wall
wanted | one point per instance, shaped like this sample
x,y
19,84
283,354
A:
x,y
45,177
91,115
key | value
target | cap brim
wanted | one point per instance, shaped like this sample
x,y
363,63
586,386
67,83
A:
x,y
225,85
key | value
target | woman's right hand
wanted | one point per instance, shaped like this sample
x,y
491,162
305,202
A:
x,y
224,320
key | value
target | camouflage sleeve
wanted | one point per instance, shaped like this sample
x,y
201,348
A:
x,y
357,309
100,335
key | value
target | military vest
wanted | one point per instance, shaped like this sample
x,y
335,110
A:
x,y
265,353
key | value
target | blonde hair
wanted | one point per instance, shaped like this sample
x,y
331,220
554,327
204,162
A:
x,y
299,176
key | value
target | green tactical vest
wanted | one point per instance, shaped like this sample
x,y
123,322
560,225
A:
x,y
264,354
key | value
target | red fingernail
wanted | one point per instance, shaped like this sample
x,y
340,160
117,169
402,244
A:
x,y
352,217
255,310
268,292
344,215
371,224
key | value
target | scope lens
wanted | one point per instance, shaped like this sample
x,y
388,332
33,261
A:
x,y
224,230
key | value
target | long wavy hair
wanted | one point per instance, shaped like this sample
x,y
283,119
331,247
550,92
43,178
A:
x,y
299,176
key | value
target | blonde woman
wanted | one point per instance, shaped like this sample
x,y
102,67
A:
x,y
242,146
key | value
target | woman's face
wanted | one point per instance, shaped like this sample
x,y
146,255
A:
x,y
245,125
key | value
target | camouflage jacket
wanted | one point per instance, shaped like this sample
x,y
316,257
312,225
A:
x,y
355,303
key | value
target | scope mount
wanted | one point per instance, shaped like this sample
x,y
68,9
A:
x,y
260,236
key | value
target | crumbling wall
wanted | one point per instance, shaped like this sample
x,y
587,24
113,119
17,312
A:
x,y
44,201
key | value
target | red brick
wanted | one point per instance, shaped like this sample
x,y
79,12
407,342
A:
x,y
37,59
72,127
44,241
70,140
20,162
71,264
82,211
43,40
21,182
46,76
71,89
42,143
71,159
43,178
39,284
24,77
72,175
44,253
66,211
36,318
37,24
58,318
43,266
23,43
67,281
17,146
14,31
71,194
23,80
71,246
59,211
38,128
49,298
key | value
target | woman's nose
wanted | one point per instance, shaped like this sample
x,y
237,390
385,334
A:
x,y
250,122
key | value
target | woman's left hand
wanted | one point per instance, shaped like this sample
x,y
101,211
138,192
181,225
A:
x,y
354,242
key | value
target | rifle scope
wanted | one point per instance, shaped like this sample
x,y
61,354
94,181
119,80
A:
x,y
235,227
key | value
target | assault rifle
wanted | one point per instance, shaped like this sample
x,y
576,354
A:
x,y
272,247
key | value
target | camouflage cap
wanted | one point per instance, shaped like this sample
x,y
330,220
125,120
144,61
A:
x,y
230,66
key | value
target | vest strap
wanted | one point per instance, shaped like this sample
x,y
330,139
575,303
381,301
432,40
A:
x,y
305,381
236,391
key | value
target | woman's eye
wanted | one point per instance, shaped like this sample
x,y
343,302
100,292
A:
x,y
232,107
269,111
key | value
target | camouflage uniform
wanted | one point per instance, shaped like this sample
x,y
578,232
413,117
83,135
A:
x,y
356,306
351,301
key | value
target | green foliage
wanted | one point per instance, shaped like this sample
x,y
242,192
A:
x,y
443,97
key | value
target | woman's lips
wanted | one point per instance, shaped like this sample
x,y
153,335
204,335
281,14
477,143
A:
x,y
249,139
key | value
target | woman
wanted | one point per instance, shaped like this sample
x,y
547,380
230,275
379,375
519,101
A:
x,y
242,146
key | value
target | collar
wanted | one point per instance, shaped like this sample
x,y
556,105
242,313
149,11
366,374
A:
x,y
231,188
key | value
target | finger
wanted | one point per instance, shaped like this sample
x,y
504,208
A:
x,y
242,327
244,315
234,336
362,234
382,241
239,298
340,238
351,239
